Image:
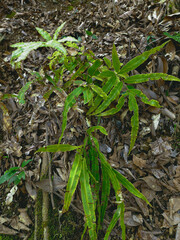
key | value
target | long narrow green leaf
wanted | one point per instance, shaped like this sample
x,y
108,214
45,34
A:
x,y
106,88
44,34
55,44
118,214
115,92
68,39
21,94
58,148
93,70
107,61
8,174
117,188
99,91
69,102
129,186
100,128
93,157
137,61
140,78
24,51
88,202
114,110
175,36
80,70
55,36
105,193
133,106
16,54
145,99
115,59
73,180
106,74
88,95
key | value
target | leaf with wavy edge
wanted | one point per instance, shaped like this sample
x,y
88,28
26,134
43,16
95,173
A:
x,y
69,102
58,148
137,61
73,180
129,186
144,98
93,70
104,193
44,34
106,88
88,202
21,93
94,128
115,92
140,78
119,214
114,110
115,60
55,36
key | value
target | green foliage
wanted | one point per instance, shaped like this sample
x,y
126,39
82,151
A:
x,y
175,36
97,84
14,174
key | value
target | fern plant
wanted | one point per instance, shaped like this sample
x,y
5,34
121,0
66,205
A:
x,y
98,83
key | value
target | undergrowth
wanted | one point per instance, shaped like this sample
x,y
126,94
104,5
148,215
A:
x,y
94,83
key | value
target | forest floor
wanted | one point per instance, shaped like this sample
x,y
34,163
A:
x,y
154,163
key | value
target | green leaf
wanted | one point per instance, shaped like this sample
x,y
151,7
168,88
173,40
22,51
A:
x,y
55,36
93,70
106,88
93,158
69,102
88,95
47,94
129,186
73,180
104,193
115,59
99,91
68,39
133,106
115,92
44,34
80,70
88,202
8,174
55,44
140,78
16,54
106,74
108,62
21,94
58,148
24,50
94,128
21,175
114,110
24,163
176,36
114,220
14,179
137,61
145,99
